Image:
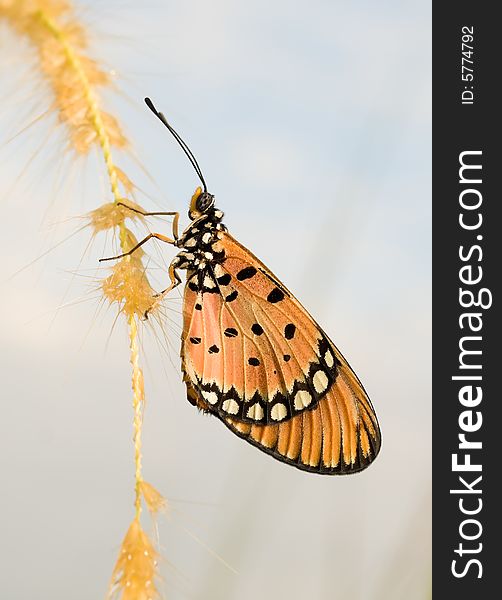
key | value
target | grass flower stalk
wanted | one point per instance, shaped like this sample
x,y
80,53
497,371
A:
x,y
61,44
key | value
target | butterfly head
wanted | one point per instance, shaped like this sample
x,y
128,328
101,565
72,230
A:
x,y
200,204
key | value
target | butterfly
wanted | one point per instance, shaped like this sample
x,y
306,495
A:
x,y
253,357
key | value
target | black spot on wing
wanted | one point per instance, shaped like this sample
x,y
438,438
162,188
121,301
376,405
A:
x,y
253,361
286,357
224,279
256,328
213,349
276,295
195,340
246,273
289,331
198,306
231,297
231,332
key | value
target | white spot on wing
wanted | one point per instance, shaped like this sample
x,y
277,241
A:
x,y
278,412
320,381
329,359
206,237
208,282
218,270
190,242
255,412
230,406
211,397
302,399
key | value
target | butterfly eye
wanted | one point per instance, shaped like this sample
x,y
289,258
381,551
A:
x,y
204,201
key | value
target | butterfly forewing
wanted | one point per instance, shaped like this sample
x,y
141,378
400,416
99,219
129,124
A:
x,y
276,361
255,358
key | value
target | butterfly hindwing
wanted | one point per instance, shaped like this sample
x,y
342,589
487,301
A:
x,y
254,357
339,436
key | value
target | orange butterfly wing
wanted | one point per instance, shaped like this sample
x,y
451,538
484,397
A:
x,y
253,356
339,436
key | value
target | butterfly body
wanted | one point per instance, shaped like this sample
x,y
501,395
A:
x,y
198,255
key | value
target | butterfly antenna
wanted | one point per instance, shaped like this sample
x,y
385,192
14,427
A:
x,y
180,141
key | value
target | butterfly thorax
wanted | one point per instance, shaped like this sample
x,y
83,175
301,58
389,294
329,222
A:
x,y
199,253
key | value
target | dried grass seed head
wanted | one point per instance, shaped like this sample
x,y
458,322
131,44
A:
x,y
136,570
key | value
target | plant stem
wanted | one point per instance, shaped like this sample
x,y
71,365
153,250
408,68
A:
x,y
96,119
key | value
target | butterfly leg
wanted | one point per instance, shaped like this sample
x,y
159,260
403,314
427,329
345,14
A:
x,y
157,236
175,281
176,216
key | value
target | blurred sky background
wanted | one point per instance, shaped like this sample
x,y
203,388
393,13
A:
x,y
311,122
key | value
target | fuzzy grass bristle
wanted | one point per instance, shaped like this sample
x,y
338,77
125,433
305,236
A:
x,y
127,184
135,573
128,285
61,43
112,215
154,500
